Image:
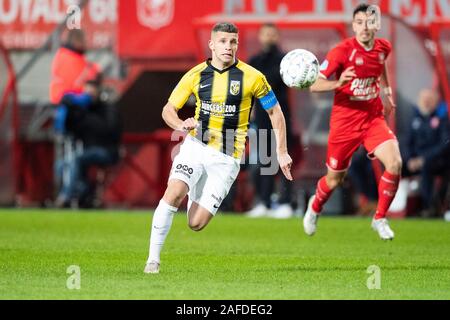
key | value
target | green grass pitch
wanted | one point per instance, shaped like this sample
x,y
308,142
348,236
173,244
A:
x,y
233,258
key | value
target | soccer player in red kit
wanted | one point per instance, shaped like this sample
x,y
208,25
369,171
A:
x,y
358,117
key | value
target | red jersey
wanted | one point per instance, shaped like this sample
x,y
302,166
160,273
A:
x,y
69,72
357,102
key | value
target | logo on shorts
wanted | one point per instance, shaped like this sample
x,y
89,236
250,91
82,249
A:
x,y
388,193
184,169
218,199
333,163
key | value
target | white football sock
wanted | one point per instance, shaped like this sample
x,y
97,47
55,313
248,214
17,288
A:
x,y
162,221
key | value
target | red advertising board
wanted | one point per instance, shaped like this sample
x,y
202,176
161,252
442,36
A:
x,y
164,28
159,28
26,24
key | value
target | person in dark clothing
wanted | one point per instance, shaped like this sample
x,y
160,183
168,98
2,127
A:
x,y
362,177
268,62
96,125
426,147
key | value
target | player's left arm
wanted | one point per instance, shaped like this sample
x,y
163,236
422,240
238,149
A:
x,y
279,127
266,97
387,90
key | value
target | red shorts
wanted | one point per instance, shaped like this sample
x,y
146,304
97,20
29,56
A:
x,y
341,145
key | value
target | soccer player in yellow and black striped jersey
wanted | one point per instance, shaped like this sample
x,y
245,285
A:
x,y
208,163
224,101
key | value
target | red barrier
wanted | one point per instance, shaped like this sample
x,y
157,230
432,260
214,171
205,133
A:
x,y
8,141
141,177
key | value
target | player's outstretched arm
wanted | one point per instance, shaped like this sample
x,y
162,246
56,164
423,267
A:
x,y
323,85
279,126
170,117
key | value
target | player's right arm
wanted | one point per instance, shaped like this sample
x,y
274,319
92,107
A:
x,y
176,101
332,64
170,117
322,84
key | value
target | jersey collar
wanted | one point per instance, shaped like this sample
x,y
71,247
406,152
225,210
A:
x,y
362,47
208,62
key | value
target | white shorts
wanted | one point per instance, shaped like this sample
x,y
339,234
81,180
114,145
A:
x,y
208,173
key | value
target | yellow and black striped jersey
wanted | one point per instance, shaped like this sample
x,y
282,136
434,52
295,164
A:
x,y
224,102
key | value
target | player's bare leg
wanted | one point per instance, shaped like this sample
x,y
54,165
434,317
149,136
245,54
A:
x,y
324,189
389,154
162,221
198,217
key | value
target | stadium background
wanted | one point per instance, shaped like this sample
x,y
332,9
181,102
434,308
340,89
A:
x,y
145,46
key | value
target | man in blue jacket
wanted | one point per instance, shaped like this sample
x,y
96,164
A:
x,y
426,148
96,124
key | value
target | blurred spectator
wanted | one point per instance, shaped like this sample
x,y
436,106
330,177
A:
x,y
69,71
268,62
362,178
426,147
70,68
96,125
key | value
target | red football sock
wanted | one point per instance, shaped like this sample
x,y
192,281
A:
x,y
323,193
387,188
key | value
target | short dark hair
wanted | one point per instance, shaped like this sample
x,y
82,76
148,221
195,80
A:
x,y
225,27
96,80
75,35
269,25
362,7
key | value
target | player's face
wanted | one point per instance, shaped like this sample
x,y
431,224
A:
x,y
428,101
79,43
268,36
91,90
361,28
224,46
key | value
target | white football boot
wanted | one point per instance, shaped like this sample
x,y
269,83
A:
x,y
152,267
310,219
382,227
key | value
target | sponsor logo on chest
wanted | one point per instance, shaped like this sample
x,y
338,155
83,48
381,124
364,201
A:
x,y
364,89
218,109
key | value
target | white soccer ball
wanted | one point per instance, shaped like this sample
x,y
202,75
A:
x,y
299,69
